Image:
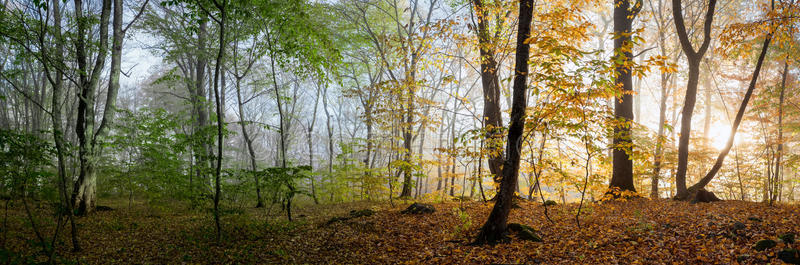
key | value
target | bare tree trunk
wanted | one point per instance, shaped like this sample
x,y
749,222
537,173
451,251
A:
x,y
495,227
219,77
248,142
84,194
58,135
693,57
779,151
622,173
692,191
311,147
493,121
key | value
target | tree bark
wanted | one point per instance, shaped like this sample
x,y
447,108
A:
x,y
691,192
85,190
219,78
493,121
779,151
622,168
693,57
494,229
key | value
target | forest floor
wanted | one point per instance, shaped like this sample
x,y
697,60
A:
x,y
635,232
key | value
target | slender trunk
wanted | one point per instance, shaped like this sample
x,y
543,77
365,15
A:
x,y
692,191
707,100
779,151
219,77
495,227
311,147
248,142
739,174
330,138
493,121
199,101
693,57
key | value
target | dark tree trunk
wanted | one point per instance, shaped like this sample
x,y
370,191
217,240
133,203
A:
x,y
494,229
693,57
779,152
622,172
691,192
493,121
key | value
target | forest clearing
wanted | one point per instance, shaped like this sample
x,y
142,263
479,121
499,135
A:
x,y
399,131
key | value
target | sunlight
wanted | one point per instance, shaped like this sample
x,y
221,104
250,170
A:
x,y
719,132
718,135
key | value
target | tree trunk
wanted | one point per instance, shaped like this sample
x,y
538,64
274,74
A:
x,y
693,57
493,121
494,229
219,77
622,169
248,142
691,193
84,193
311,147
58,135
779,151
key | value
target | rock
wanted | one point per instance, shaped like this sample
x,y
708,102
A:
x,y
739,226
754,219
788,238
419,208
765,244
361,213
524,232
789,255
336,219
101,208
550,203
353,214
705,196
742,258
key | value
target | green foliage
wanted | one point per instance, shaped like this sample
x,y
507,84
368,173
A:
x,y
24,162
465,222
149,157
281,183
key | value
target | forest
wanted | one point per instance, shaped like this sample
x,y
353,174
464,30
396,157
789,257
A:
x,y
399,132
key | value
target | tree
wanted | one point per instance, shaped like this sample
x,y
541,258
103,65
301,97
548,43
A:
x,y
494,229
693,57
664,78
624,13
492,118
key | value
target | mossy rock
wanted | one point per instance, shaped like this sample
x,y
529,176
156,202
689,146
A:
x,y
754,219
419,208
789,255
788,238
550,203
524,232
704,195
361,213
765,244
353,214
102,208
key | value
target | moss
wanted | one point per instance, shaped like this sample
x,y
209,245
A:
x,y
550,203
787,237
360,213
765,244
789,255
524,232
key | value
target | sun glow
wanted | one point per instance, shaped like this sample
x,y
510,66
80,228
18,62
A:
x,y
718,135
